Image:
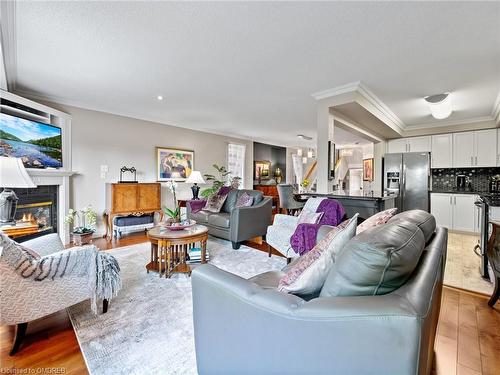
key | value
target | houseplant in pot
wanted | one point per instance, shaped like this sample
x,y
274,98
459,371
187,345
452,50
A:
x,y
174,216
83,222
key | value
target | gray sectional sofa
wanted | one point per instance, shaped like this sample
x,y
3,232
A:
x,y
249,327
237,224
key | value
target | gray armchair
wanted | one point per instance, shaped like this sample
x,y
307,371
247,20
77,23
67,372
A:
x,y
287,199
243,328
237,224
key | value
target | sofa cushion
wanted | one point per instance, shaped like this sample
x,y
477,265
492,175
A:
x,y
424,220
377,261
309,273
200,217
215,202
256,194
219,220
244,200
378,219
230,202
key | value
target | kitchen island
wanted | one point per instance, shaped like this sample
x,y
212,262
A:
x,y
366,203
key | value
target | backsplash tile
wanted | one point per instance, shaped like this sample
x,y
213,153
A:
x,y
445,179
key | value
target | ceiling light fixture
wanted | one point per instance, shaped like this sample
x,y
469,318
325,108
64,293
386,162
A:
x,y
310,154
440,105
304,160
305,137
299,151
159,97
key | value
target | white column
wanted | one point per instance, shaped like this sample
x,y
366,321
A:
x,y
325,124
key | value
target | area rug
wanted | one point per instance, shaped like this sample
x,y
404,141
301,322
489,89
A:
x,y
148,328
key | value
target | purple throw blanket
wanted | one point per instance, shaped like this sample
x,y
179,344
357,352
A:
x,y
304,237
197,205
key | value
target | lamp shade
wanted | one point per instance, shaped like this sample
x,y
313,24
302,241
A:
x,y
195,178
13,174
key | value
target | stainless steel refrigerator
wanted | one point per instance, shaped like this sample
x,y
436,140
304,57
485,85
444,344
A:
x,y
408,175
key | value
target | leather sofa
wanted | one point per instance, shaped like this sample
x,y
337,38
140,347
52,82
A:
x,y
247,327
237,224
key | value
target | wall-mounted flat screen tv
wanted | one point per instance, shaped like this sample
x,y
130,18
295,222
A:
x,y
38,145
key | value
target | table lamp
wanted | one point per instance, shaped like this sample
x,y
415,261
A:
x,y
195,178
12,175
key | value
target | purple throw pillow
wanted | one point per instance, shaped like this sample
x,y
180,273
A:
x,y
245,200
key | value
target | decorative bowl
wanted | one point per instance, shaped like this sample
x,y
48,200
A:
x,y
184,224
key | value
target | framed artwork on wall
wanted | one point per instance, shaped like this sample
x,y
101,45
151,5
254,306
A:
x,y
262,170
368,169
173,164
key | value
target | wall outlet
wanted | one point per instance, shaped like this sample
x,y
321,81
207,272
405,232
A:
x,y
104,168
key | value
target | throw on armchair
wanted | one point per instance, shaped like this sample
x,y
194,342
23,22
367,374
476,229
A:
x,y
40,277
284,226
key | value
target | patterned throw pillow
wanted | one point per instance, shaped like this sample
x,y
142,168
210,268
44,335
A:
x,y
377,219
21,251
309,272
215,203
307,217
245,200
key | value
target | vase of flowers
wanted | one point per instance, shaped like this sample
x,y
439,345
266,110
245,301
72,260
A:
x,y
83,222
305,184
174,216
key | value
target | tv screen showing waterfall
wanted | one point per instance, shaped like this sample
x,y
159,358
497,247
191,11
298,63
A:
x,y
38,145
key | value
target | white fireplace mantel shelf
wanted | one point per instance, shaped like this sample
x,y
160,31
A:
x,y
50,172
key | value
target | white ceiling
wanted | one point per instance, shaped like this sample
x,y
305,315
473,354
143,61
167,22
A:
x,y
249,69
343,138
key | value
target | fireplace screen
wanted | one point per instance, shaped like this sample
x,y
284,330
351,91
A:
x,y
39,216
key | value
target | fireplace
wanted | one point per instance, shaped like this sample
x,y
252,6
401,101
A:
x,y
37,211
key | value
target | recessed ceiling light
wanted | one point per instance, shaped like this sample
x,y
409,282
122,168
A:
x,y
302,136
159,97
440,105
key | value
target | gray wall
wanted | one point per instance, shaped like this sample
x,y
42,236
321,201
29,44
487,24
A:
x,y
275,154
105,139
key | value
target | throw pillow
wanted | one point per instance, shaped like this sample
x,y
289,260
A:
x,y
377,261
20,251
377,219
245,200
309,272
307,217
215,202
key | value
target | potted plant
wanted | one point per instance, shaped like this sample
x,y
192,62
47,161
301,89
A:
x,y
305,184
219,180
175,214
84,222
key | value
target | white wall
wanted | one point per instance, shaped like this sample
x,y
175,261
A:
x,y
104,139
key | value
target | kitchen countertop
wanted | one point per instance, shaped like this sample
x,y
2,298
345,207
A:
x,y
355,194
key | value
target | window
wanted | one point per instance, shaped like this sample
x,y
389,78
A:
x,y
236,161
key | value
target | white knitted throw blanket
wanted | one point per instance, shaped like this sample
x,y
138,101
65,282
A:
x,y
101,269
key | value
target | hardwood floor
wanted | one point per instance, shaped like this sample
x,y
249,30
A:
x,y
467,342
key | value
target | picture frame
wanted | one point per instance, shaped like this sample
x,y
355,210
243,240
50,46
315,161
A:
x,y
173,164
262,169
368,169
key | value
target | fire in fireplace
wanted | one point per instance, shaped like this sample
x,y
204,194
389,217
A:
x,y
36,211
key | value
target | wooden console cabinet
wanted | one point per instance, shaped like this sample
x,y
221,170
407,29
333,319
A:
x,y
131,199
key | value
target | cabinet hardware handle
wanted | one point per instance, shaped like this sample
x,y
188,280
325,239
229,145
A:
x,y
476,160
451,200
471,160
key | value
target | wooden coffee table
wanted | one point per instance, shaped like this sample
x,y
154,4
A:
x,y
169,248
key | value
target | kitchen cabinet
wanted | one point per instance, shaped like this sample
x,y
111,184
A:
x,y
455,211
477,216
475,149
463,149
413,144
442,151
485,143
397,146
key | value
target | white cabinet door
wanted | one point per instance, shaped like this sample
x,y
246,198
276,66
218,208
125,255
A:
x,y
485,142
463,212
419,144
442,151
442,209
463,149
397,145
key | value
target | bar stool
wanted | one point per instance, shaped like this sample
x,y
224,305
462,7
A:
x,y
493,253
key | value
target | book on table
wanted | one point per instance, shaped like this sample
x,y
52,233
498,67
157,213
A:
x,y
194,255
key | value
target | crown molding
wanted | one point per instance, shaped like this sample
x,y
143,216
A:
x,y
339,90
495,113
449,123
